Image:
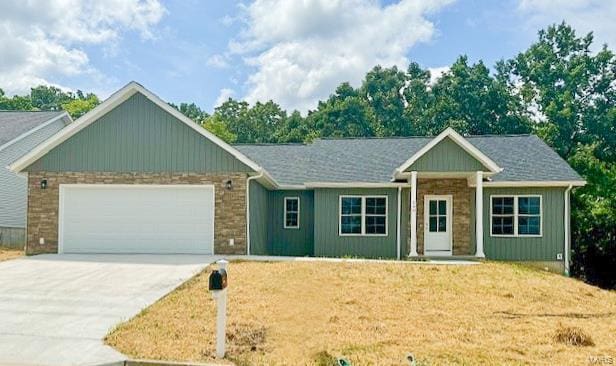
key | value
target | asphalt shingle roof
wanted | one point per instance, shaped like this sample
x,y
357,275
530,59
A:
x,y
373,160
16,123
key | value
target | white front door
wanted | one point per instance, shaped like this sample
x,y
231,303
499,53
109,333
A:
x,y
437,225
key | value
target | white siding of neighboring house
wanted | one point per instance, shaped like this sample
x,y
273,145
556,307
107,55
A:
x,y
13,188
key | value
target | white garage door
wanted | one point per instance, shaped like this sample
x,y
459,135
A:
x,y
136,219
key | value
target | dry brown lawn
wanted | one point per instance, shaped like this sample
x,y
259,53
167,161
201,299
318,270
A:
x,y
375,313
10,253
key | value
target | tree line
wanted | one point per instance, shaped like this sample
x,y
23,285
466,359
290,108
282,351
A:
x,y
560,88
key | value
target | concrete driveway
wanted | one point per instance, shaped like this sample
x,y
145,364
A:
x,y
56,309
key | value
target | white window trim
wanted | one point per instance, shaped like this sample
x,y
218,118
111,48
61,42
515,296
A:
x,y
516,215
284,217
363,214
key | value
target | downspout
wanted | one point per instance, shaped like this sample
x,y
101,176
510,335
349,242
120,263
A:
x,y
567,228
399,218
260,175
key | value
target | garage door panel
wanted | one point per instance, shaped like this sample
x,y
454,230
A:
x,y
137,219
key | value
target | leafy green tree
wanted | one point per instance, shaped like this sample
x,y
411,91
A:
x,y
264,120
218,127
344,114
418,99
473,102
16,103
383,90
81,105
295,129
571,89
49,98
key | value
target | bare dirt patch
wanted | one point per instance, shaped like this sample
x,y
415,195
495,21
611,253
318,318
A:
x,y
10,253
377,313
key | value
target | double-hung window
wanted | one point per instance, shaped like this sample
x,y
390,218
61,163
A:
x,y
363,215
291,212
515,215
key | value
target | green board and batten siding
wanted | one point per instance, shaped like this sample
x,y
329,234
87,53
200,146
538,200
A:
x,y
522,248
259,217
446,156
138,136
328,242
267,233
295,242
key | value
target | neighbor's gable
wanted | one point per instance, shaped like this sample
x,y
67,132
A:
x,y
446,156
138,136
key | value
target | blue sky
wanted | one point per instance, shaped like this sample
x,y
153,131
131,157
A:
x,y
294,52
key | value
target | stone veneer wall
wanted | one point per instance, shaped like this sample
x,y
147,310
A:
x,y
461,194
229,215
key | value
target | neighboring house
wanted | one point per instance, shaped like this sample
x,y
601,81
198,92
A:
x,y
20,132
136,176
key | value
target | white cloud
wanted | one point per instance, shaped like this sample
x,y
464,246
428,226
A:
x,y
437,72
301,50
42,40
218,61
583,15
223,96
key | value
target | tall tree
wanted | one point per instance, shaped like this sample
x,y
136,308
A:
x,y
383,91
572,88
572,91
473,102
49,98
344,114
81,105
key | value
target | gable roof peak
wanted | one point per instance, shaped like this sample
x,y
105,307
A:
x,y
109,104
452,134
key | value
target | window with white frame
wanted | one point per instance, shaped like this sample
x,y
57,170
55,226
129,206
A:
x,y
363,215
291,212
515,215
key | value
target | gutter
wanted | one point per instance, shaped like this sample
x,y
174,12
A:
x,y
248,180
567,228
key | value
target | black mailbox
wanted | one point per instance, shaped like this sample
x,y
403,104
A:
x,y
218,279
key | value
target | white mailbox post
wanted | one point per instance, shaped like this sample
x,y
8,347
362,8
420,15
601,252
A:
x,y
218,287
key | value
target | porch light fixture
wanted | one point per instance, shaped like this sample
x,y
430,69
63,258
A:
x,y
228,185
43,183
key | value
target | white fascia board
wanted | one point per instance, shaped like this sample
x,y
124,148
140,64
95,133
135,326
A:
x,y
458,139
113,101
65,116
292,187
563,183
354,185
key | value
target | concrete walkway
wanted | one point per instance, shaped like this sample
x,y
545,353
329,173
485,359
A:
x,y
56,309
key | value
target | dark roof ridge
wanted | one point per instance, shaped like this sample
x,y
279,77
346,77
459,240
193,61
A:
x,y
418,137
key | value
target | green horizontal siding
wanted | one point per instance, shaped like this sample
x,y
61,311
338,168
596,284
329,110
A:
x,y
544,248
259,213
446,156
293,242
327,242
138,136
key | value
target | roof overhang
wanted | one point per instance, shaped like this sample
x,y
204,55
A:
x,y
547,183
110,103
458,139
63,116
355,185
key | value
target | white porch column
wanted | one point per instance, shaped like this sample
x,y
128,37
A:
x,y
479,215
413,214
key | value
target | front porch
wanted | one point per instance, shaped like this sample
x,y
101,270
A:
x,y
446,204
442,216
